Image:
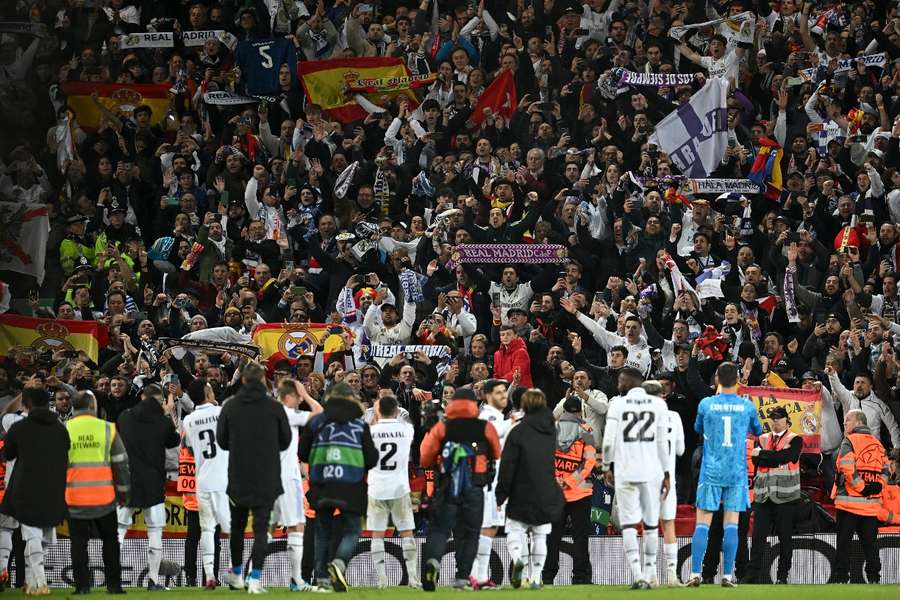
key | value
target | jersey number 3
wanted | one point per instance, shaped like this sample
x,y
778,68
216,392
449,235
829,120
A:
x,y
209,436
642,421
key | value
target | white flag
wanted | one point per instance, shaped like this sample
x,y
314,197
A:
x,y
25,231
695,135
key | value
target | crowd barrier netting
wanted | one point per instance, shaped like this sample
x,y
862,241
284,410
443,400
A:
x,y
811,564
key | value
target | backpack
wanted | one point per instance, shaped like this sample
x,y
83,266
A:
x,y
456,464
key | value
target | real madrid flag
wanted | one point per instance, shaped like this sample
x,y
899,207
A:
x,y
119,98
30,335
293,340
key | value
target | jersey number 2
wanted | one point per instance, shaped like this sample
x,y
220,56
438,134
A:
x,y
645,419
266,61
209,437
388,450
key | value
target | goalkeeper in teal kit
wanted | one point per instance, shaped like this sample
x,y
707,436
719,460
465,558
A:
x,y
724,421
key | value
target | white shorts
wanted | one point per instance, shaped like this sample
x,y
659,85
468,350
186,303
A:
x,y
638,502
398,509
492,516
215,509
288,509
669,507
513,526
154,516
46,535
8,522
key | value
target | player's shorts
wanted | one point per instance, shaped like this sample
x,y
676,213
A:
x,y
8,522
638,502
492,515
154,516
736,498
288,509
215,509
669,506
398,509
513,526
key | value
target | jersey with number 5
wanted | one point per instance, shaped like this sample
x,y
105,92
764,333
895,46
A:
x,y
260,62
389,478
636,438
211,459
724,420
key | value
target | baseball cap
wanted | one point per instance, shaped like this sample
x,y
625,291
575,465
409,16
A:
x,y
464,394
809,375
77,219
777,412
83,264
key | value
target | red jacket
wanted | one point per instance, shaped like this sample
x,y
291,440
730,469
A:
x,y
509,358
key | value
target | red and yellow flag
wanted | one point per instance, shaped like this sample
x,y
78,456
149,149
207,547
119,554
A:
x,y
19,333
117,97
332,84
300,339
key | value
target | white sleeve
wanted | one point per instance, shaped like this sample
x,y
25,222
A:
x,y
810,107
491,24
250,198
372,321
470,26
662,436
298,418
781,127
678,431
467,323
610,433
605,338
393,129
838,390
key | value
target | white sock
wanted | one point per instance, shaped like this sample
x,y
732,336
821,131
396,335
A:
x,y
632,551
410,557
671,553
295,554
208,553
515,542
651,548
34,557
538,557
5,547
154,553
484,557
378,558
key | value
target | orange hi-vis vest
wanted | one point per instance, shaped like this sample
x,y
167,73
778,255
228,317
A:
x,y
778,484
863,464
751,468
89,478
890,509
187,482
574,467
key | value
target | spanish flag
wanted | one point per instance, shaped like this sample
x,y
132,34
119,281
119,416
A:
x,y
333,84
294,340
119,98
18,333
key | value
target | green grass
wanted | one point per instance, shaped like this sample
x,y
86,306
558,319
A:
x,y
580,592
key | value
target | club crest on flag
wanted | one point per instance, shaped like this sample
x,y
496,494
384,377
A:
x,y
126,99
52,339
297,341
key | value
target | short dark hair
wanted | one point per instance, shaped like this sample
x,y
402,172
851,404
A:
x,y
254,372
387,406
629,377
490,384
727,374
621,349
35,397
864,374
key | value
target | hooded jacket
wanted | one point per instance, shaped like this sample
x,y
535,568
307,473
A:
x,y
147,433
254,429
36,494
462,425
349,497
510,357
527,474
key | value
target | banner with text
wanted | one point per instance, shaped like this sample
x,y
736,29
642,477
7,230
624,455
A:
x,y
804,407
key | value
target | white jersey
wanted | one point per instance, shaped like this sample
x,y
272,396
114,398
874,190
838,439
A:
x,y
389,478
636,438
495,417
290,463
211,460
676,442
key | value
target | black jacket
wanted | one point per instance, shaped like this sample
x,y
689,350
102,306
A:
x,y
254,429
527,472
36,494
349,497
147,433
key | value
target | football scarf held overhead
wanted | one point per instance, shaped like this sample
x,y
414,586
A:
x,y
766,169
38,336
172,344
655,79
846,64
17,27
740,27
198,38
116,97
507,253
151,39
300,339
227,99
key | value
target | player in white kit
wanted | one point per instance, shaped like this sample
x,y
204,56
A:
x,y
389,489
669,508
211,476
288,508
635,454
495,398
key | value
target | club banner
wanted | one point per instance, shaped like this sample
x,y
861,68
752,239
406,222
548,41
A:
x,y
390,350
844,65
227,99
40,336
198,38
150,39
294,340
719,186
507,253
24,236
655,79
739,27
330,84
804,407
248,350
23,28
116,97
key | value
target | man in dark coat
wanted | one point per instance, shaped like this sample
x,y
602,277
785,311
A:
x,y
254,429
147,430
528,480
337,481
36,495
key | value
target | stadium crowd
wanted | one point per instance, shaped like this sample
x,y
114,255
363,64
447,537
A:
x,y
203,221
